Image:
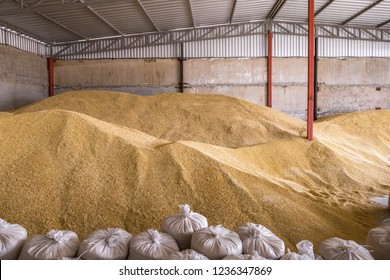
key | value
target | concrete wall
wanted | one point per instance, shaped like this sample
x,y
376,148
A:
x,y
344,84
23,78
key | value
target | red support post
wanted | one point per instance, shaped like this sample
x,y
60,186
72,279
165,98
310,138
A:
x,y
310,70
50,69
269,70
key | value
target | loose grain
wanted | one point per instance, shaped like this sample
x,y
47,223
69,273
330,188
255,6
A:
x,y
86,160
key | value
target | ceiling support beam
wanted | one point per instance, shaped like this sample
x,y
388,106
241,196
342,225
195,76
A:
x,y
233,11
104,20
362,12
61,25
323,7
192,14
275,9
147,15
383,23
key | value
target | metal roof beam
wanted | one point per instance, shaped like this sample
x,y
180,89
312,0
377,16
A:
x,y
276,8
362,11
61,25
148,16
233,11
192,14
383,23
104,20
2,2
323,7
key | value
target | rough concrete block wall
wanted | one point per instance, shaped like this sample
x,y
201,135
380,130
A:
x,y
344,84
352,84
140,76
23,78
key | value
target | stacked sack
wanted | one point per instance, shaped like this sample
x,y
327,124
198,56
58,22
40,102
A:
x,y
216,242
152,245
258,238
339,249
305,252
105,244
379,240
188,254
56,244
12,238
182,226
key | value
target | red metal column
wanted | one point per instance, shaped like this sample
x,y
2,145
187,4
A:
x,y
269,70
51,75
310,68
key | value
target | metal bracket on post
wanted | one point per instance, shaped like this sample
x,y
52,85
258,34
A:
x,y
182,84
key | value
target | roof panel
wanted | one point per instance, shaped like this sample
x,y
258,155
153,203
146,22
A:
x,y
341,10
168,14
41,27
250,10
208,12
296,10
375,16
83,21
128,17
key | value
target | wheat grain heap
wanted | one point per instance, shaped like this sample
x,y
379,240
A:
x,y
86,160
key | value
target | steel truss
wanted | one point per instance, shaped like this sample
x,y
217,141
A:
x,y
62,50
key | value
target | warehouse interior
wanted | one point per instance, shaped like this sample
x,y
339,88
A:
x,y
274,112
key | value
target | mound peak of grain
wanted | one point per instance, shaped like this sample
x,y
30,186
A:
x,y
213,119
69,170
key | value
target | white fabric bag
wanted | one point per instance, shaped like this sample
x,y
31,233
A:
x,y
56,244
186,255
305,252
258,238
216,242
182,226
12,238
339,249
105,244
152,245
379,240
254,256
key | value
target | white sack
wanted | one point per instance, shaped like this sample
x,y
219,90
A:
x,y
258,238
186,255
12,238
216,242
182,226
339,249
105,244
305,252
254,256
56,244
379,240
152,245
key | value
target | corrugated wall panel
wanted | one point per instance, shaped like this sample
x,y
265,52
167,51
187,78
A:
x,y
329,47
24,43
289,46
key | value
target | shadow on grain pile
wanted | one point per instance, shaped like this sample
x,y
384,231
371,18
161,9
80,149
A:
x,y
86,160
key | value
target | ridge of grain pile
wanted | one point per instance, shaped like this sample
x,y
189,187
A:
x,y
379,240
182,226
86,160
56,244
305,252
216,242
258,238
152,245
12,239
187,254
105,244
254,256
339,249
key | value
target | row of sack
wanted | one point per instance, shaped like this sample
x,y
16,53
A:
x,y
186,236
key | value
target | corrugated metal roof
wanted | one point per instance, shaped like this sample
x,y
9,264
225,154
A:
x,y
68,20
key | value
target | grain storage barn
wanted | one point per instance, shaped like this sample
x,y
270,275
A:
x,y
271,112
